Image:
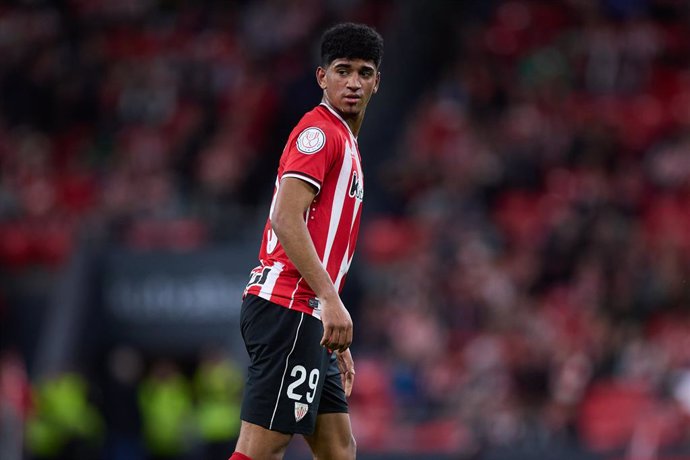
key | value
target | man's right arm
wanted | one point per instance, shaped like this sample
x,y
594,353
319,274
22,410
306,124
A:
x,y
287,221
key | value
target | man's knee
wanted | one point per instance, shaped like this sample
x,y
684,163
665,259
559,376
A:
x,y
352,448
342,450
347,450
258,443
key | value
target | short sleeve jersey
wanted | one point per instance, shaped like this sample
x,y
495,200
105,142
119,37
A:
x,y
322,151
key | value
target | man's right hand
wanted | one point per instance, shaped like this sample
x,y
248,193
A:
x,y
337,325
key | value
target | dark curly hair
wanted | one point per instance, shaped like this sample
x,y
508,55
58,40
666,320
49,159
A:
x,y
351,41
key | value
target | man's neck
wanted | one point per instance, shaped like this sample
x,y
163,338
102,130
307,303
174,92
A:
x,y
353,122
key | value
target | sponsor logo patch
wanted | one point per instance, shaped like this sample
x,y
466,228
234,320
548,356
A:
x,y
311,140
301,410
356,190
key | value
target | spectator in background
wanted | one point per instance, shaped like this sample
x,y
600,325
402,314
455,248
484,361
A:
x,y
64,424
124,370
165,402
218,385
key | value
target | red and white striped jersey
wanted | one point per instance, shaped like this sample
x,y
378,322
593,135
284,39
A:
x,y
322,151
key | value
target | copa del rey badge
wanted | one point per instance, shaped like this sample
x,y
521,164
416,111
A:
x,y
301,410
311,140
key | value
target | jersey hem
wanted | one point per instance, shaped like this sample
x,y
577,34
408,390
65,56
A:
x,y
285,303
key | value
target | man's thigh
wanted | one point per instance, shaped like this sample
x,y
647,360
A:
x,y
332,438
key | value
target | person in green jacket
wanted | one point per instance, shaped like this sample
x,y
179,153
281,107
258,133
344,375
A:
x,y
165,402
64,424
218,385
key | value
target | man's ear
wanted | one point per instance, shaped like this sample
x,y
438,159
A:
x,y
321,77
378,81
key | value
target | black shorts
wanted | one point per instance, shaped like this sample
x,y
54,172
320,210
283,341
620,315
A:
x,y
291,377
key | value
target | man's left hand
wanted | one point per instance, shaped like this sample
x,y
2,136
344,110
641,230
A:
x,y
347,370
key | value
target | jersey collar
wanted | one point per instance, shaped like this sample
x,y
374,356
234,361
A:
x,y
332,110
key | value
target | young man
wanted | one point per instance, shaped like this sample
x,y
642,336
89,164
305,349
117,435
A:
x,y
295,327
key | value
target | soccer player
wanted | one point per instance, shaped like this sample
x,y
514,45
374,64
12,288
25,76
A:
x,y
295,327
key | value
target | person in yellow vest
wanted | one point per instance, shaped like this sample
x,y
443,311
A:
x,y
218,385
165,402
64,424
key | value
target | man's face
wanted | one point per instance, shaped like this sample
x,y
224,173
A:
x,y
348,85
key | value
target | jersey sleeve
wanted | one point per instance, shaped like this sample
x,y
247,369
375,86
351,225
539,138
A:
x,y
310,154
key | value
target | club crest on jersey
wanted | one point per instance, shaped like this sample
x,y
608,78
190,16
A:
x,y
356,189
301,410
311,140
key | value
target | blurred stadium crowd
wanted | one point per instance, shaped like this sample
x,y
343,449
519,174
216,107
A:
x,y
545,182
529,283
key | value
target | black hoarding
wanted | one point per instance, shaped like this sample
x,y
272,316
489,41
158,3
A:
x,y
175,301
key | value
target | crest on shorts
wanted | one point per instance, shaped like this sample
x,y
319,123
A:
x,y
301,410
311,140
